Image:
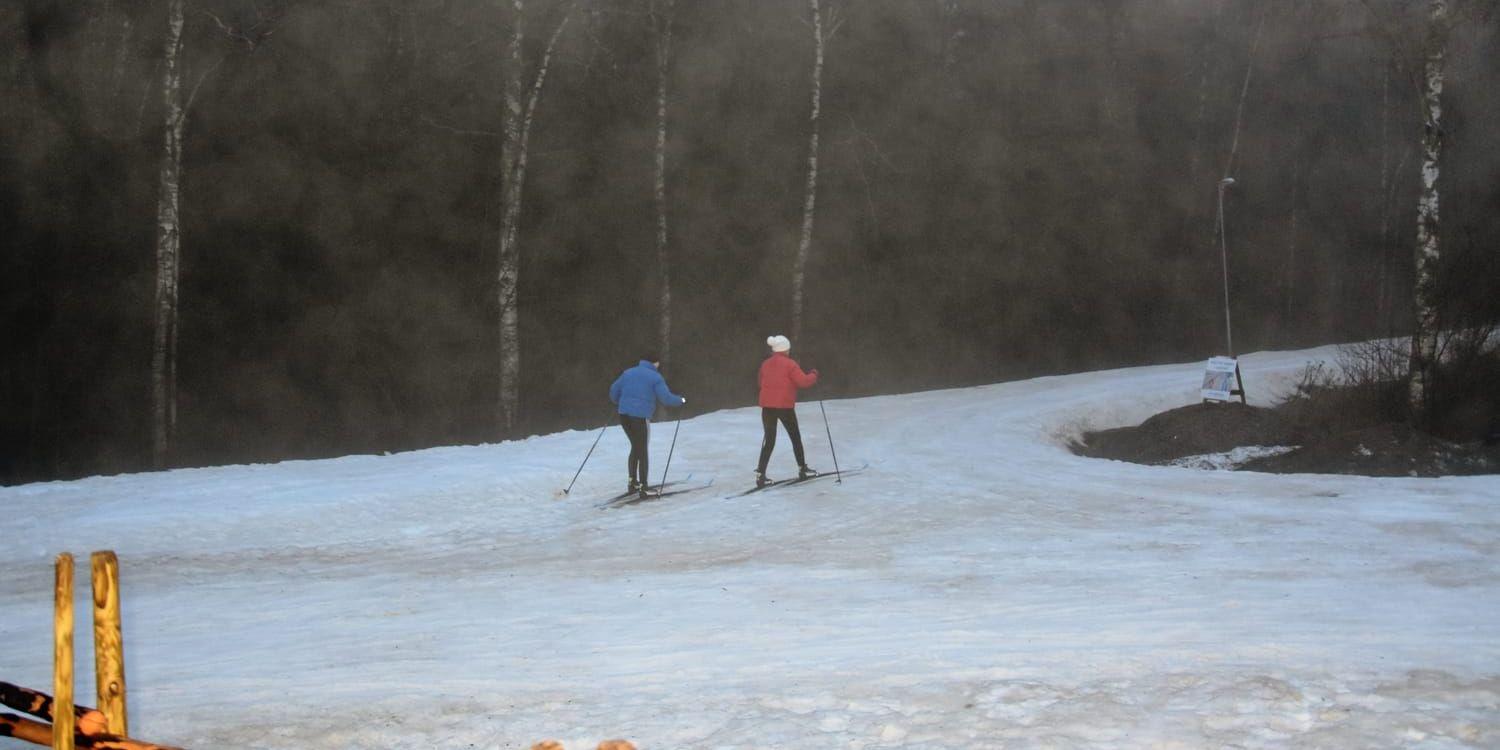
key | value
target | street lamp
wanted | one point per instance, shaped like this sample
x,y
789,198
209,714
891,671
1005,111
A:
x,y
1224,254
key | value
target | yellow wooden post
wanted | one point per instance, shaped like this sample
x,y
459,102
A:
x,y
109,645
62,656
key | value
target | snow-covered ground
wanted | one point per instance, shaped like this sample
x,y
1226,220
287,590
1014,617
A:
x,y
977,587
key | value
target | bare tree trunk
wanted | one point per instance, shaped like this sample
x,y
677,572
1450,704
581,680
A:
x,y
168,241
799,270
118,96
1390,248
1239,113
1113,41
1390,184
1290,270
110,30
1298,150
1205,71
1382,283
513,177
98,55
663,22
1424,334
510,207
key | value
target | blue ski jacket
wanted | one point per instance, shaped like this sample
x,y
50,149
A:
x,y
638,389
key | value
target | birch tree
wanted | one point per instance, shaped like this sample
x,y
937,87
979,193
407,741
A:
x,y
1425,303
168,245
662,12
515,140
168,219
822,29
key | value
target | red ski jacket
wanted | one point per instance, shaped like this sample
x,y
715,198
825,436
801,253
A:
x,y
780,377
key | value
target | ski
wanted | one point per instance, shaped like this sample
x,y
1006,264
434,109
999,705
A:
x,y
651,489
774,484
635,499
803,480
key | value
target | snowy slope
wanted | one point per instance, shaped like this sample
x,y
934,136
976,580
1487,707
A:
x,y
978,587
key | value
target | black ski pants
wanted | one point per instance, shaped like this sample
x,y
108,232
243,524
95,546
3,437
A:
x,y
788,418
639,432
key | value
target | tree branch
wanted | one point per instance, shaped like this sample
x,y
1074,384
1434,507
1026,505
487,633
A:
x,y
193,96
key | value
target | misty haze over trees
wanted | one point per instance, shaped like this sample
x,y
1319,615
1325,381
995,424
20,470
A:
x,y
285,232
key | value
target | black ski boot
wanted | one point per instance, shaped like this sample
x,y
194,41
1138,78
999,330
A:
x,y
761,479
634,487
806,472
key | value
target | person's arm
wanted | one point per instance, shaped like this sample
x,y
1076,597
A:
x,y
803,379
666,396
614,391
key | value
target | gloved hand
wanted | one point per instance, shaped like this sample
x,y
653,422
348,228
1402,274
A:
x,y
684,400
814,371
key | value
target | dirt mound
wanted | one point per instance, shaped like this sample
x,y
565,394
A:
x,y
1388,450
1190,431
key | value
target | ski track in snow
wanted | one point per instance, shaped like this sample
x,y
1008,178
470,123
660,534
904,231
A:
x,y
977,587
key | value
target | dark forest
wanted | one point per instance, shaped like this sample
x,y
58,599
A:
x,y
1006,188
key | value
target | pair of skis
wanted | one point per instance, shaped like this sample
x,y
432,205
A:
x,y
803,480
656,492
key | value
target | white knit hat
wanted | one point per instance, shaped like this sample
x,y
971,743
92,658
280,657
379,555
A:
x,y
779,343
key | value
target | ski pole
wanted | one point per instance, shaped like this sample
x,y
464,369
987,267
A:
x,y
586,459
663,484
838,477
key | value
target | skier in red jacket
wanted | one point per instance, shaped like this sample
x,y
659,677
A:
x,y
780,378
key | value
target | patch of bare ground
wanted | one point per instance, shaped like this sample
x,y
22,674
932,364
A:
x,y
1336,426
1190,431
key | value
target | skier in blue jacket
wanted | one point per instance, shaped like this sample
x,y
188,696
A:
x,y
637,392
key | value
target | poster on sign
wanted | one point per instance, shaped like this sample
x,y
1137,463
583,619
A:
x,y
1219,380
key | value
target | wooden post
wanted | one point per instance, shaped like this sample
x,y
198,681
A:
x,y
62,656
109,646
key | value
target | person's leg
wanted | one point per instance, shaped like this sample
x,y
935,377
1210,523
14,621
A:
x,y
627,424
630,459
635,429
645,464
795,433
768,440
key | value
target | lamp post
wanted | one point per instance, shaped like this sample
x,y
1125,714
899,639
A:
x,y
1224,255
